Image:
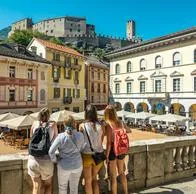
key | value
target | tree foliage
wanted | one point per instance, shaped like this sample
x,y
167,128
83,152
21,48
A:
x,y
25,36
56,41
100,53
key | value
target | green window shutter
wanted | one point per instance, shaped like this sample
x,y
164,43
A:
x,y
52,71
59,72
73,93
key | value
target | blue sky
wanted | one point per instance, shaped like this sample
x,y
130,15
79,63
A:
x,y
153,18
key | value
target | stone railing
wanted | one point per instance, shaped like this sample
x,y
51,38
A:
x,y
149,163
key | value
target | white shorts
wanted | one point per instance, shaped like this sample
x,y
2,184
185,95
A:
x,y
40,168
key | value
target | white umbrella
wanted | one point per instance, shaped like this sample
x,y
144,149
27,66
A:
x,y
8,116
100,112
141,115
60,116
123,113
35,115
18,123
79,116
170,118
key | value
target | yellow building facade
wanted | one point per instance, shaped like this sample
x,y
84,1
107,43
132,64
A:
x,y
66,77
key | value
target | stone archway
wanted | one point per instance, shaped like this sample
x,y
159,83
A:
x,y
129,107
177,108
142,107
118,106
192,111
158,108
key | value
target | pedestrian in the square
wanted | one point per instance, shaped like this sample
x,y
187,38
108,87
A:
x,y
40,167
93,153
69,161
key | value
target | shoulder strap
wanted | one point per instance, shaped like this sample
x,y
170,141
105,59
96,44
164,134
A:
x,y
88,138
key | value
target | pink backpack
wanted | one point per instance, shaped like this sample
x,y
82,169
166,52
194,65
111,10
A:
x,y
121,141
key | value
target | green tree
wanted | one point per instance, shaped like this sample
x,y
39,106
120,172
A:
x,y
100,53
25,36
56,41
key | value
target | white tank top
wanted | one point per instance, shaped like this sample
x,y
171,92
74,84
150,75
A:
x,y
95,138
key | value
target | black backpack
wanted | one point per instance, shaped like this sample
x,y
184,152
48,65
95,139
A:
x,y
40,141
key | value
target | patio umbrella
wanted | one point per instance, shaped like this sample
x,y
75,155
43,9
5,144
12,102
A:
x,y
123,113
59,116
173,118
18,123
141,115
79,116
35,115
8,116
100,112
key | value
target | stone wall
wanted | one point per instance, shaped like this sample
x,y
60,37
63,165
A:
x,y
149,163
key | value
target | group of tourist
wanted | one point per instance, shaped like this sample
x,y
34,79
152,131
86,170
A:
x,y
77,152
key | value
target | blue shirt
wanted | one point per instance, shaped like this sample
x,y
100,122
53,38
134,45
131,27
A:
x,y
69,147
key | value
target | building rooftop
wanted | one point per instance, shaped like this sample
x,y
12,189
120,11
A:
x,y
153,41
20,52
58,47
93,60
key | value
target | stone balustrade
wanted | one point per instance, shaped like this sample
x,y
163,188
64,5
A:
x,y
149,163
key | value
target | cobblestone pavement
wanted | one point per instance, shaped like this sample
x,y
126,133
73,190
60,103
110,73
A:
x,y
185,186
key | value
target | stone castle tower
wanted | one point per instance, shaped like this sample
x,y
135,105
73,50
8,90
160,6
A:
x,y
130,30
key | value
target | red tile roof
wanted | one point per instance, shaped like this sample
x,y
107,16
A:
x,y
59,47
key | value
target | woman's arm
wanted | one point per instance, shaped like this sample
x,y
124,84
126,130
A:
x,y
109,140
55,145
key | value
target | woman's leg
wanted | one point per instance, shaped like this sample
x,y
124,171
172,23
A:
x,y
87,172
36,185
74,180
113,174
63,178
121,172
95,183
47,186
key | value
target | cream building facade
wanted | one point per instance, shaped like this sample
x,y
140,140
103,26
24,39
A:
x,y
66,76
158,75
23,80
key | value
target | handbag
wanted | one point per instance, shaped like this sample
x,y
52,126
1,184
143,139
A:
x,y
98,157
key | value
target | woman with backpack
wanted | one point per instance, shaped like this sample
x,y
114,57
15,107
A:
x,y
116,148
92,155
40,167
69,161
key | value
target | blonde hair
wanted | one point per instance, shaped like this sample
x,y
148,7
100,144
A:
x,y
111,117
69,122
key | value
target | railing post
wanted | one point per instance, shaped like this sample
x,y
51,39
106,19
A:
x,y
191,157
102,176
185,158
169,159
130,167
178,160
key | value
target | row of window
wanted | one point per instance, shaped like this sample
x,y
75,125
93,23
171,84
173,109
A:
x,y
98,75
67,60
158,63
56,73
12,95
67,92
12,72
157,86
98,88
98,99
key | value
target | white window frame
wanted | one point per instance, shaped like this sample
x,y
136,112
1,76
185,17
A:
x,y
176,86
142,90
158,88
129,87
177,60
129,69
117,90
142,64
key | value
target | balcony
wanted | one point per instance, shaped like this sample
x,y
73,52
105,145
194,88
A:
x,y
76,67
56,79
149,163
67,100
56,63
76,81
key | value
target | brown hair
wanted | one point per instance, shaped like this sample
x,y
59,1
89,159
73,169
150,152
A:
x,y
111,117
44,114
69,122
91,113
